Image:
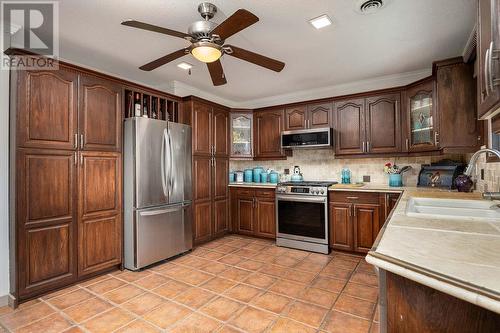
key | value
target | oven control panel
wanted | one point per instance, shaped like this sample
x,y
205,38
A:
x,y
302,190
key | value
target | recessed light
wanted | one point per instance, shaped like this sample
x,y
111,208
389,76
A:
x,y
184,65
320,21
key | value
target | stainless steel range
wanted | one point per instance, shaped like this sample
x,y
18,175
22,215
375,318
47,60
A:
x,y
302,215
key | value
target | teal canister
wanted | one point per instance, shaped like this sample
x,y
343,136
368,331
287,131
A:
x,y
248,175
232,177
264,177
256,174
274,177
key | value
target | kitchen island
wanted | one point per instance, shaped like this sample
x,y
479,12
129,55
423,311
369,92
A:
x,y
437,272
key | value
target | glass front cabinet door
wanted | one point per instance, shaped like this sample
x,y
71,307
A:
x,y
241,135
422,134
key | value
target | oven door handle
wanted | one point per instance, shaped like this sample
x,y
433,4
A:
x,y
302,199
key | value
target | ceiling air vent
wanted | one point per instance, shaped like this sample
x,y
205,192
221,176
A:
x,y
369,6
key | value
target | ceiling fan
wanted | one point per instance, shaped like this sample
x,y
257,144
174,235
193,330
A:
x,y
207,42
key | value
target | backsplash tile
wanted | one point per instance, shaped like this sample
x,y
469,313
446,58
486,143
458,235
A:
x,y
491,182
321,164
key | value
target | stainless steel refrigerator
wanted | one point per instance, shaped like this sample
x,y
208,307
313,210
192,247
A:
x,y
157,191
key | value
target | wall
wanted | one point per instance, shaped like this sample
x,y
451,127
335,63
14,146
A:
x,y
321,164
4,186
491,181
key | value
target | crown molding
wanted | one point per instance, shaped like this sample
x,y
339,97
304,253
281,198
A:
x,y
382,82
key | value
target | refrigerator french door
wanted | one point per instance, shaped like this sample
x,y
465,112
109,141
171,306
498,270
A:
x,y
157,191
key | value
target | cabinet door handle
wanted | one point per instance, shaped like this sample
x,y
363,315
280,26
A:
x,y
81,159
492,82
75,142
353,198
407,144
436,139
367,146
486,72
354,211
75,159
81,141
364,146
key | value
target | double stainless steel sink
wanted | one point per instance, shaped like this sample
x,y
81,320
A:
x,y
453,208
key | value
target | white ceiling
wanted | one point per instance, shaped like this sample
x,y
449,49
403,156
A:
x,y
406,36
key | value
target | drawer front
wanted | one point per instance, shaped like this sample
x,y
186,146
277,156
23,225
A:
x,y
264,193
354,197
245,192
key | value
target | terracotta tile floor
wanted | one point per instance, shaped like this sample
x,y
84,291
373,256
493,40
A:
x,y
233,284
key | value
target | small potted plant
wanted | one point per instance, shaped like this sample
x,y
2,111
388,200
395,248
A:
x,y
395,178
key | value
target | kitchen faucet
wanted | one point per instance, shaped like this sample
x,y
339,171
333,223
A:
x,y
475,156
472,165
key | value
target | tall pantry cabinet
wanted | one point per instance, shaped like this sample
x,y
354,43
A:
x,y
210,123
66,136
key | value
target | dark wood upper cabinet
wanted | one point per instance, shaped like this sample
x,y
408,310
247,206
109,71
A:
x,y
487,56
100,114
308,116
221,132
295,118
420,117
319,115
459,127
202,129
383,124
47,109
350,126
268,125
46,220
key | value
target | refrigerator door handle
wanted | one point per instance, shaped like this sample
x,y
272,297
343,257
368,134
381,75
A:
x,y
163,174
160,211
171,157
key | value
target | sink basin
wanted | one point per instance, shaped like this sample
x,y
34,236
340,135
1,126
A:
x,y
451,208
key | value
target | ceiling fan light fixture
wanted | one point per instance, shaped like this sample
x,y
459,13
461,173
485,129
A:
x,y
206,51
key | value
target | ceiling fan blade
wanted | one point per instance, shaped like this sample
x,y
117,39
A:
x,y
256,58
155,28
163,60
217,73
240,20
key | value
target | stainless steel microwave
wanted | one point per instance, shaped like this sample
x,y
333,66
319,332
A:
x,y
308,138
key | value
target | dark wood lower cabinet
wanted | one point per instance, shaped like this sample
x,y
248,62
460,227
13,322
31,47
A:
x,y
355,218
366,222
265,215
46,220
65,233
202,221
412,307
341,226
221,219
253,212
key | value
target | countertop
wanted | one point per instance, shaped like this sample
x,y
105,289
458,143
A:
x,y
460,257
255,185
367,187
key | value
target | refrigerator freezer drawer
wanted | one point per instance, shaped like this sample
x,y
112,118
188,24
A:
x,y
160,233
